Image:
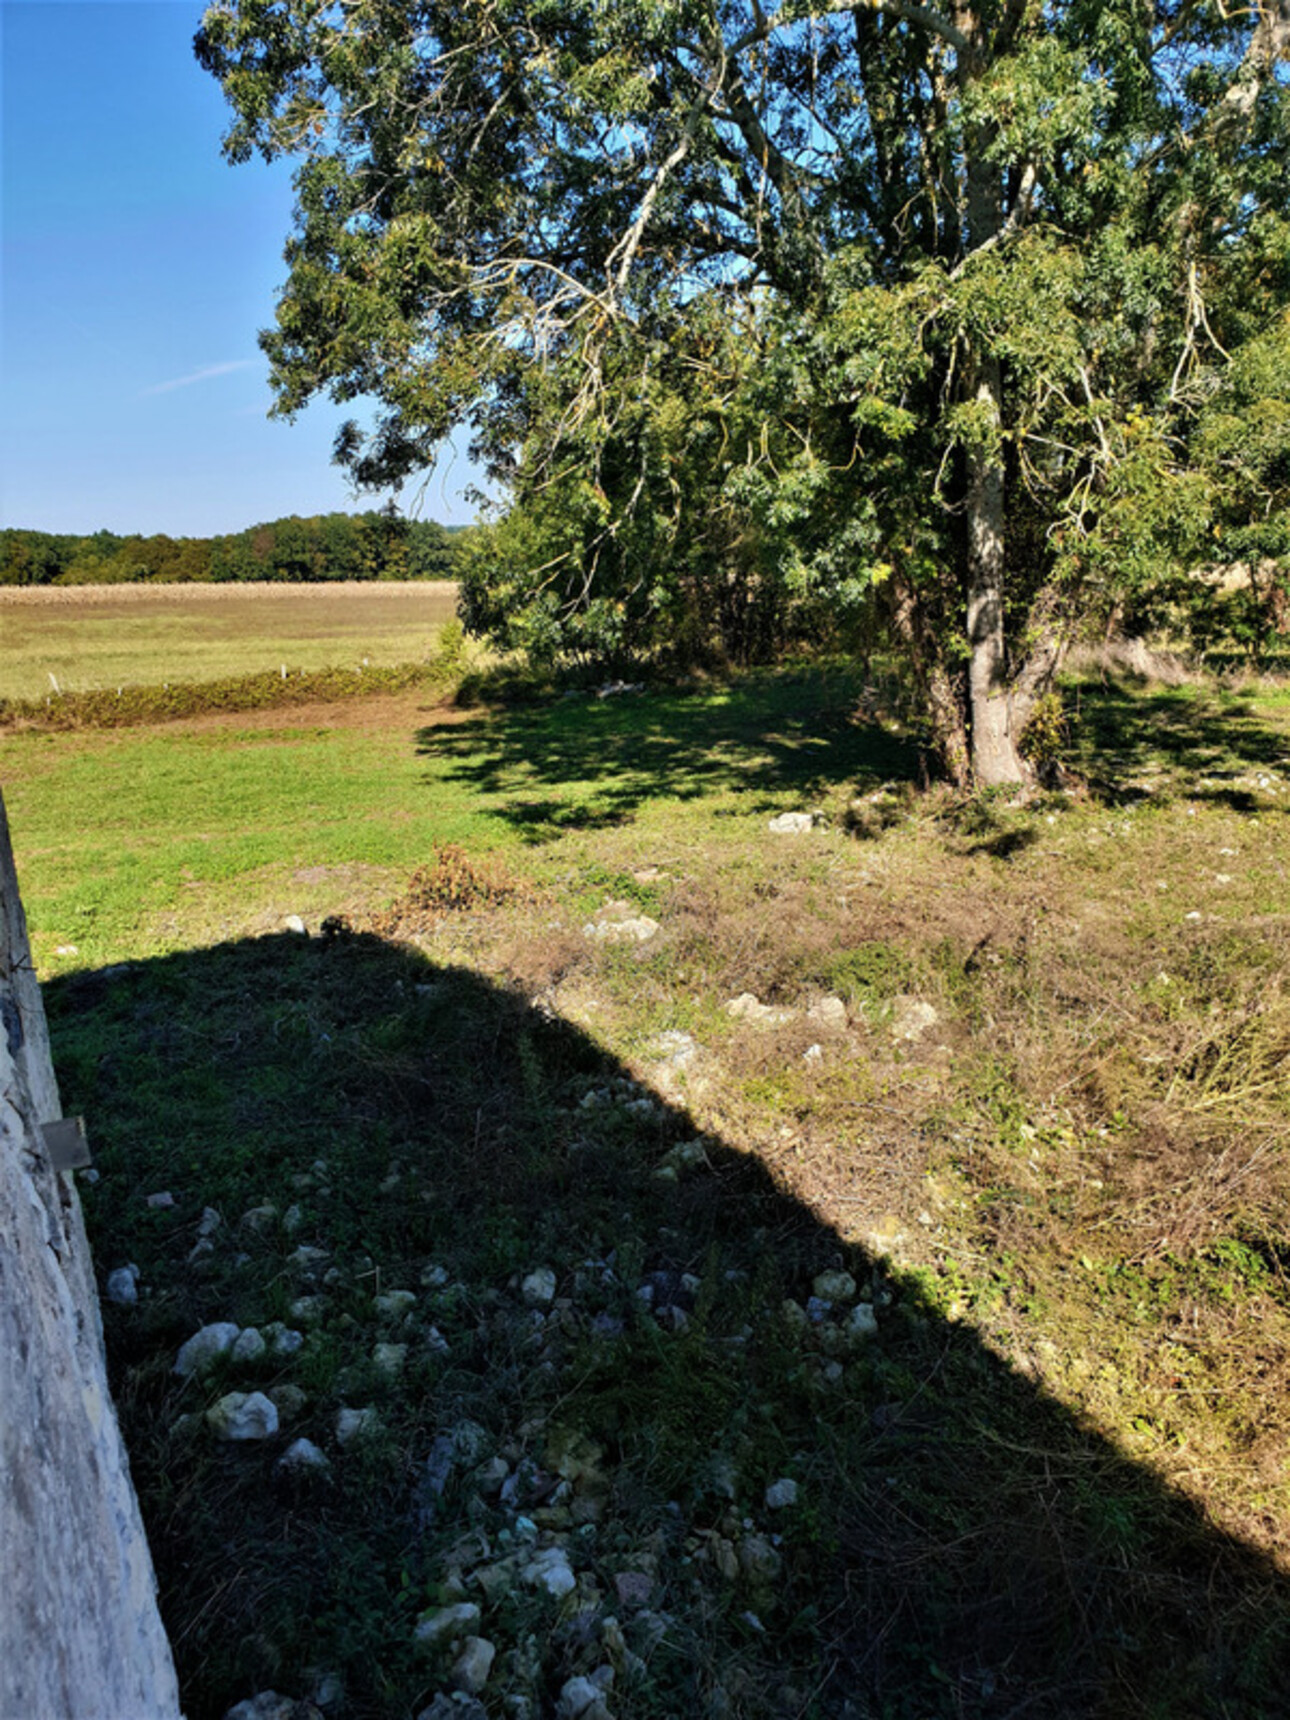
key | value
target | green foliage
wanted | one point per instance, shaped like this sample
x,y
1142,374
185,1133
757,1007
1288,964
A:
x,y
380,545
775,327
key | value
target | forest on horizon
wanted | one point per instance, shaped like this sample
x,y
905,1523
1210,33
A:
x,y
323,547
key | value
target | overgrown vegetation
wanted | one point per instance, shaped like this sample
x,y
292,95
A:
x,y
1052,1480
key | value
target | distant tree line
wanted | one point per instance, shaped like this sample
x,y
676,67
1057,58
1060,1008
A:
x,y
375,545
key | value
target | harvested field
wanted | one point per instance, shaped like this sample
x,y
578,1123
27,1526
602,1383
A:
x,y
77,638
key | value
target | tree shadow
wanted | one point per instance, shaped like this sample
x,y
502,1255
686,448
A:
x,y
581,762
960,1544
1189,740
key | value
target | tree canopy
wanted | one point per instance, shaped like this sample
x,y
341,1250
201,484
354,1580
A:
x,y
948,313
375,545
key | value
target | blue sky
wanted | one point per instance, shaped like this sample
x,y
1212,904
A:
x,y
138,268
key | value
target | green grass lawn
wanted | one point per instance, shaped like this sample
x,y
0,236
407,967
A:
x,y
111,636
1053,1482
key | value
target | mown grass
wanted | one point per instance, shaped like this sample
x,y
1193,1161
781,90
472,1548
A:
x,y
1055,1482
97,638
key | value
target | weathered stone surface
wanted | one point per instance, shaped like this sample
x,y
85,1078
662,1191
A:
x,y
303,1454
243,1415
437,1628
79,1633
911,1018
205,1347
472,1666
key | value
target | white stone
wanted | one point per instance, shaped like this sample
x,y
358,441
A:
x,y
161,1201
748,1007
308,1310
304,1454
861,1322
266,1705
250,1346
442,1625
394,1302
354,1423
472,1666
538,1289
282,1340
780,1494
209,1222
202,1349
911,1018
791,823
260,1218
634,929
550,1571
576,1696
293,923
835,1286
813,1054
244,1415
123,1286
388,1359
306,1257
829,1012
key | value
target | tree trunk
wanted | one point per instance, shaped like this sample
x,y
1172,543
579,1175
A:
x,y
995,759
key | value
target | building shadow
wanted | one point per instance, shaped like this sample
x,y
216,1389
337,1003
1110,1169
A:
x,y
958,1544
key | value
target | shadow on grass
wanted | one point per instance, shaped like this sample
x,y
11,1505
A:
x,y
959,1546
1208,741
585,763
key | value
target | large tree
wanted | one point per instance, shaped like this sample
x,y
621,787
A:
x,y
992,259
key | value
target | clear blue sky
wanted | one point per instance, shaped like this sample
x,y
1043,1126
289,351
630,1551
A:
x,y
138,268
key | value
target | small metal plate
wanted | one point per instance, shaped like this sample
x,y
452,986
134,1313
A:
x,y
66,1144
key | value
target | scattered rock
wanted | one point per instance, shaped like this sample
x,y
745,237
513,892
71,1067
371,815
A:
x,y
202,1349
394,1302
306,1257
620,923
434,1277
861,1322
388,1359
309,1310
353,1424
911,1018
443,1625
260,1219
791,823
209,1222
748,1007
538,1289
123,1286
243,1415
550,1571
293,923
293,1218
758,1560
268,1705
282,1340
830,1013
490,1476
162,1201
835,1286
303,1454
472,1666
288,1400
813,1054
673,1047
581,1699
458,1706
633,1588
249,1347
781,1494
